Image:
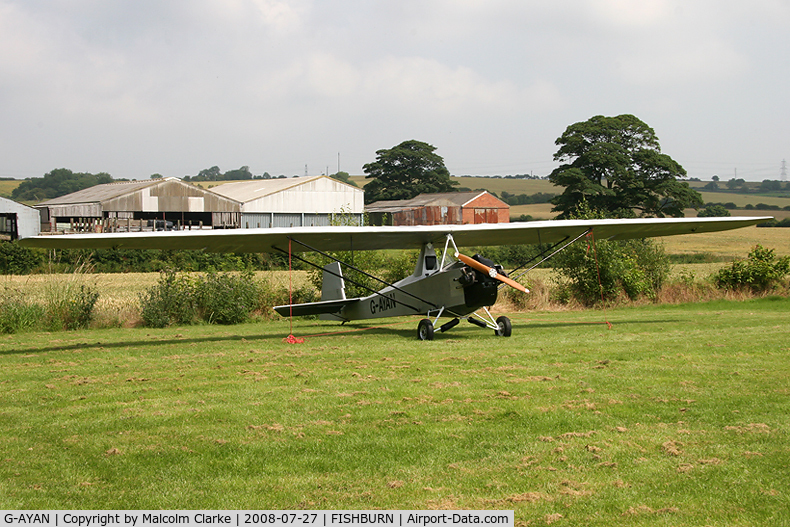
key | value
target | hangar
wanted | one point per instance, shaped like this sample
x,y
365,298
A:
x,y
18,220
449,208
140,205
294,202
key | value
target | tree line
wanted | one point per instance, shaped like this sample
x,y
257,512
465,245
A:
x,y
740,185
58,182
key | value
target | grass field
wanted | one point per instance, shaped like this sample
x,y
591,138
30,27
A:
x,y
660,420
730,244
741,200
6,187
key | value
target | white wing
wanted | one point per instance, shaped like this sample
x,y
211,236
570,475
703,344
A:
x,y
374,238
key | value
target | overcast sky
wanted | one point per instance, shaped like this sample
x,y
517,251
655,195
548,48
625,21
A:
x,y
140,87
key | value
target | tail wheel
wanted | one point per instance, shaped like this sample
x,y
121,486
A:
x,y
425,330
505,327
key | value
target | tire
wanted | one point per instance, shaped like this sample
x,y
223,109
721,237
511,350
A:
x,y
505,327
425,330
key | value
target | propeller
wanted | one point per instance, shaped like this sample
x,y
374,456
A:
x,y
490,271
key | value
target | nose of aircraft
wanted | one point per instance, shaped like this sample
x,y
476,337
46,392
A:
x,y
490,271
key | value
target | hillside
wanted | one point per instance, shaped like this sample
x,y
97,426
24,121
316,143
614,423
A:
x,y
6,187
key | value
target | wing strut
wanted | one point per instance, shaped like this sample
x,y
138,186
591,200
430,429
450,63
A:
x,y
363,286
585,233
368,275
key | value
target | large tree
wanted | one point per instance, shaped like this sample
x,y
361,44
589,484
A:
x,y
615,165
406,170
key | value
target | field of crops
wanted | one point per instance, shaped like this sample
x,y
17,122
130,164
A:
x,y
6,187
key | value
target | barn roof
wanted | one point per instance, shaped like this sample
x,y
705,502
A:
x,y
99,193
442,199
244,191
9,205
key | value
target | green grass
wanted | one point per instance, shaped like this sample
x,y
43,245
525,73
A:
x,y
7,186
678,415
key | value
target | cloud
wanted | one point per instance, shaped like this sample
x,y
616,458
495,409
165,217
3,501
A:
x,y
682,63
283,17
223,77
632,14
428,86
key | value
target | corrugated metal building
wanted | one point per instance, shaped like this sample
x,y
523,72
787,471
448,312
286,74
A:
x,y
450,208
137,205
18,220
292,202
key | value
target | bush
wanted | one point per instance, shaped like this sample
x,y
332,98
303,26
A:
x,y
17,315
400,264
773,223
270,295
216,298
169,302
634,267
713,211
610,268
761,271
512,256
69,303
227,298
15,259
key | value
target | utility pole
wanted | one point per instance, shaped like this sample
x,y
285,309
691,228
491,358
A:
x,y
784,170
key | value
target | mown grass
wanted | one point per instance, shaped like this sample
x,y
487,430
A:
x,y
675,416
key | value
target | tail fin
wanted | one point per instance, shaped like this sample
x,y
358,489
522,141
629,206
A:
x,y
334,287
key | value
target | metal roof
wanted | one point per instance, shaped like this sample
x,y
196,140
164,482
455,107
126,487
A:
x,y
99,193
441,199
244,191
7,205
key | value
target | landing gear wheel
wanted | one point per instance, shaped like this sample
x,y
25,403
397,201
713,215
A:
x,y
425,330
505,327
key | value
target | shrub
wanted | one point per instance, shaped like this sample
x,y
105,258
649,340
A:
x,y
15,259
69,302
227,298
270,295
634,267
714,211
773,223
400,264
216,298
610,268
70,306
16,314
169,302
761,271
512,256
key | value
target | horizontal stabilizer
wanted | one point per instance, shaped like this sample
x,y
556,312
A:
x,y
314,308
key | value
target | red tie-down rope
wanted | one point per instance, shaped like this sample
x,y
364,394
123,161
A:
x,y
291,339
591,236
